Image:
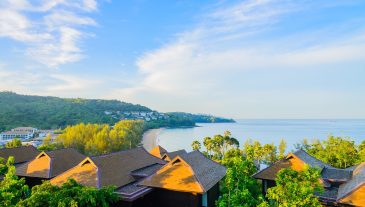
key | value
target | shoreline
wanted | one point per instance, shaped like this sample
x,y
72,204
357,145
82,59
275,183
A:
x,y
149,138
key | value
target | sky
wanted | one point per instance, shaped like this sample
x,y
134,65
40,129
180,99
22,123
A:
x,y
239,59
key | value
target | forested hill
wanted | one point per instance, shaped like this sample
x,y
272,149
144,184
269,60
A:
x,y
47,112
52,112
201,118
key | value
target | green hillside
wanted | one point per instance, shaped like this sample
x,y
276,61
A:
x,y
46,112
52,112
201,118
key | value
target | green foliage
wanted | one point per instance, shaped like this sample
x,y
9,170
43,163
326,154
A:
x,y
336,151
95,139
173,121
69,194
282,148
239,189
296,188
12,189
201,118
266,153
52,112
13,143
362,151
47,145
3,166
218,145
196,145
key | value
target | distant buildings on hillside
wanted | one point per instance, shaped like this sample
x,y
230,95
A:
x,y
25,134
137,115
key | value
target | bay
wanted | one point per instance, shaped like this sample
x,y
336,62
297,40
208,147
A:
x,y
263,130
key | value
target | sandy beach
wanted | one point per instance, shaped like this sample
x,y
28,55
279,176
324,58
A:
x,y
149,140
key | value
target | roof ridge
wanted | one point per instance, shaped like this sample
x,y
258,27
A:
x,y
19,147
120,151
266,168
210,160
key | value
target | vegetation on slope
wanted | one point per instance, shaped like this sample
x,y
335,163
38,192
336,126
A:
x,y
96,139
52,112
201,118
47,112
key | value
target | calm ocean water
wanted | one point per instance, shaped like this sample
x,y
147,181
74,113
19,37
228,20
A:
x,y
266,131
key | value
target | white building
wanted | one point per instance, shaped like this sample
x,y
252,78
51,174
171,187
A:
x,y
24,129
9,135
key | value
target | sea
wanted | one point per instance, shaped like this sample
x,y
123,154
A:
x,y
263,130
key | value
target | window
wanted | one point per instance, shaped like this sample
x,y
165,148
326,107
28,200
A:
x,y
205,199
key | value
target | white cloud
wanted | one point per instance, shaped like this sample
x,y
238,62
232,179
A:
x,y
70,83
202,64
52,36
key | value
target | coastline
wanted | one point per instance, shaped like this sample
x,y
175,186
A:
x,y
149,139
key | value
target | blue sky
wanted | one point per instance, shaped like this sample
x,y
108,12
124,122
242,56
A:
x,y
240,59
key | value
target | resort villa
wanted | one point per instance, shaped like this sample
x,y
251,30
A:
x,y
21,154
141,178
22,133
179,179
342,187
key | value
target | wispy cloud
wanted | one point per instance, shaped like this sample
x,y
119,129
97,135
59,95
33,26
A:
x,y
226,44
51,30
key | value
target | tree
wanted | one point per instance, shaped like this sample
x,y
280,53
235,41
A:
x,y
96,139
335,151
196,145
3,166
239,188
296,188
69,194
47,145
362,151
208,144
261,153
218,145
282,148
12,189
13,143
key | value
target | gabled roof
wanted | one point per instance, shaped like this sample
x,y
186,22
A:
x,y
50,164
357,180
21,154
168,156
270,172
146,171
110,169
336,175
158,151
309,160
191,172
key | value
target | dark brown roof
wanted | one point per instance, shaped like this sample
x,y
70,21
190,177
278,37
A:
x,y
357,180
158,151
329,194
172,155
206,170
61,160
310,160
270,172
146,171
115,168
336,175
132,191
202,174
20,154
